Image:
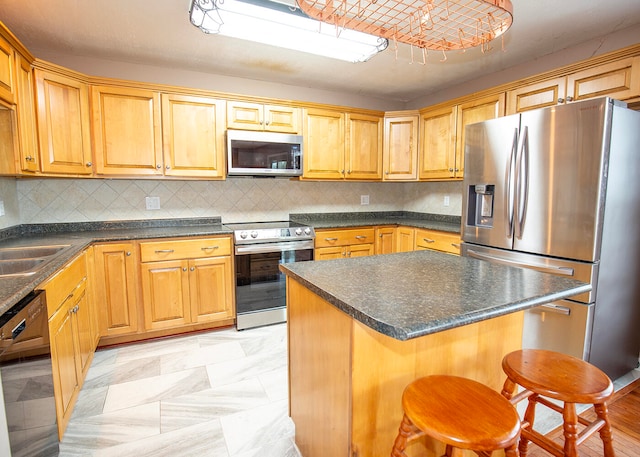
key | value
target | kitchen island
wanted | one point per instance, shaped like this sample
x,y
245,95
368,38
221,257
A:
x,y
362,329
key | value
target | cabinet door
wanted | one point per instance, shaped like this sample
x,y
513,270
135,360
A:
x,y
619,80
479,110
323,144
405,239
85,340
538,95
364,147
193,136
284,119
126,127
437,144
116,286
328,253
63,359
437,241
385,240
62,107
9,142
26,111
360,250
7,92
211,291
165,294
400,151
245,116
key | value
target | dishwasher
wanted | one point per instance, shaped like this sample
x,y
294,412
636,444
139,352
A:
x,y
26,379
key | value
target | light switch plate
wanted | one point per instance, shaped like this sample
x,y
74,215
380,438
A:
x,y
152,202
364,199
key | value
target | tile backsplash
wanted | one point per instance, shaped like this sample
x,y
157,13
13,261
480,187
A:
x,y
54,200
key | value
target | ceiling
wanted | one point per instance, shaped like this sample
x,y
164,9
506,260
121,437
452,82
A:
x,y
158,32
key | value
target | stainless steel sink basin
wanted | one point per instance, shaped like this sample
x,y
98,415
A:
x,y
27,260
19,266
31,252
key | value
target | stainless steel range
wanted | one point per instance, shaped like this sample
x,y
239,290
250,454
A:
x,y
260,248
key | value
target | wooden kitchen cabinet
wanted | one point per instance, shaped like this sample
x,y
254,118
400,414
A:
x,y
405,239
256,116
71,336
62,108
323,143
116,288
363,152
443,135
187,281
385,240
193,130
7,69
26,116
332,244
400,149
619,79
437,241
126,131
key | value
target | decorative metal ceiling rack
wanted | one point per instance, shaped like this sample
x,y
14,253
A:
x,y
441,25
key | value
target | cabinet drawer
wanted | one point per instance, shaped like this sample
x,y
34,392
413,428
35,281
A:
x,y
439,241
344,237
154,251
62,285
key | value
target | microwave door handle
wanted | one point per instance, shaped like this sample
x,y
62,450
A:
x,y
509,191
522,177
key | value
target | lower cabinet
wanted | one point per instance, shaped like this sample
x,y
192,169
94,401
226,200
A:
x,y
385,240
185,282
71,335
405,239
337,244
437,240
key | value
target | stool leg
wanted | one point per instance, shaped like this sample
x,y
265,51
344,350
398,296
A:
x,y
508,389
529,417
605,432
511,451
570,427
404,432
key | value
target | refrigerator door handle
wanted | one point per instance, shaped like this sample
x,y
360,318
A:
x,y
565,271
510,189
522,179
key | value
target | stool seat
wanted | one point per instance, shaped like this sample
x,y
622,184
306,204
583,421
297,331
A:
x,y
460,412
548,375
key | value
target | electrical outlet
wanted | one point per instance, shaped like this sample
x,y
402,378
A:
x,y
152,202
1,208
364,199
446,200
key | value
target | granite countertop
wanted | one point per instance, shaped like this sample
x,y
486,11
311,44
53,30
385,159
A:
x,y
408,295
80,235
411,219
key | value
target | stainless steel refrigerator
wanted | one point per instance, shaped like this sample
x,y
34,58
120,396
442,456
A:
x,y
558,190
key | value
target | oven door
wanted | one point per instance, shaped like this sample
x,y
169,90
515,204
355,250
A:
x,y
260,285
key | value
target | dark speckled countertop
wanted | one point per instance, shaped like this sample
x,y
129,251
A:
x,y
408,218
408,295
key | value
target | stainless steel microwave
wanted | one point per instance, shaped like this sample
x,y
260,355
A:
x,y
251,153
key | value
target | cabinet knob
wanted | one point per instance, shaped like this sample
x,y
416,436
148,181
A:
x,y
128,253
569,98
450,169
386,173
158,166
168,167
184,268
29,159
560,100
192,269
89,164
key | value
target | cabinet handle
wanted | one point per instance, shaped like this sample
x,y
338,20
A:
x,y
349,172
29,159
455,245
331,239
341,172
362,237
192,269
208,248
560,100
569,98
164,251
450,169
128,253
184,268
158,166
428,240
168,167
386,173
89,164
457,169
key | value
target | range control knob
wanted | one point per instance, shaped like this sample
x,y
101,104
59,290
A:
x,y
298,231
243,235
307,231
254,234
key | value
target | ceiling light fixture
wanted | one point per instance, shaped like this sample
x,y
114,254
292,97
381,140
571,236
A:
x,y
280,25
441,25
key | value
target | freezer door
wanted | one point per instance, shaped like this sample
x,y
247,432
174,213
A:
x,y
561,170
489,193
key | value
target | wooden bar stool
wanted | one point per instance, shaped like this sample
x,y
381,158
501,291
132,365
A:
x,y
564,378
459,412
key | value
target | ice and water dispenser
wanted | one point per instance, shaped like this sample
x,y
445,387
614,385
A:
x,y
480,208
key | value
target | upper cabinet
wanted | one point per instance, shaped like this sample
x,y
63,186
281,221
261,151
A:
x,y
442,135
63,124
126,131
256,116
26,110
619,79
340,145
193,136
400,150
7,62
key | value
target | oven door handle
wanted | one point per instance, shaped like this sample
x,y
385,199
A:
x,y
274,247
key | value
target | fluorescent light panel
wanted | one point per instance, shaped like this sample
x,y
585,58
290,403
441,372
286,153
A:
x,y
278,26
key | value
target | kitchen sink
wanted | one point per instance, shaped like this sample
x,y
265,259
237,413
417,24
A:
x,y
27,260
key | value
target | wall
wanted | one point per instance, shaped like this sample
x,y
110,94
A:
x,y
9,197
235,199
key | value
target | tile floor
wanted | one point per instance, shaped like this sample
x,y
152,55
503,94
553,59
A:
x,y
221,393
